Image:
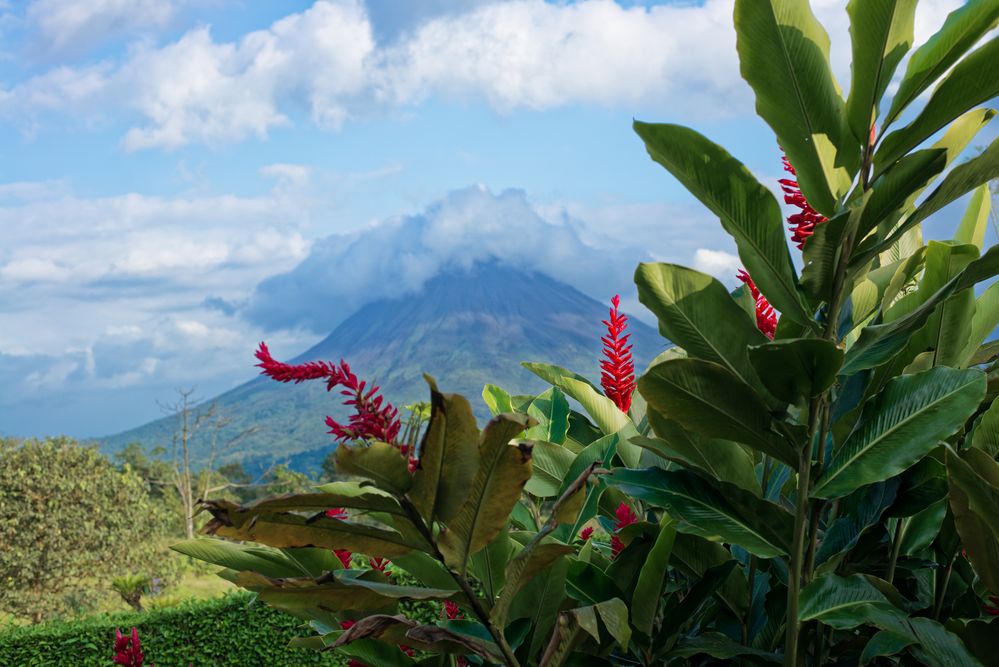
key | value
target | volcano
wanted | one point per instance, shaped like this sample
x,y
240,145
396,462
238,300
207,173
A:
x,y
466,327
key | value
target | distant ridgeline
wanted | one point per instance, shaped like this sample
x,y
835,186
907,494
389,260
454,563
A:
x,y
467,328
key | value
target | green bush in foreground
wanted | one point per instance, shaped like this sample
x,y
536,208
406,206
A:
x,y
227,631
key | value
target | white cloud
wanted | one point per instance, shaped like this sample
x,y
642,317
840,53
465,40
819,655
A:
x,y
723,265
69,27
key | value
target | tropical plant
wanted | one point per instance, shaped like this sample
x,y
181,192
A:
x,y
819,488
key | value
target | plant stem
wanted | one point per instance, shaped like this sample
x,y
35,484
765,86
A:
x,y
473,599
942,588
798,544
896,547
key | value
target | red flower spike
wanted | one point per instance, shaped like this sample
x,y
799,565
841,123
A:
x,y
373,418
766,318
337,513
128,650
408,650
624,516
802,224
617,375
378,564
344,556
452,611
586,533
347,624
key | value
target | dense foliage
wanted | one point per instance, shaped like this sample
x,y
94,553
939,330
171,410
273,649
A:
x,y
63,508
227,631
818,489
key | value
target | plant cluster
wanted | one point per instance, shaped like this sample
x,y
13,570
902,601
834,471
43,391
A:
x,y
818,488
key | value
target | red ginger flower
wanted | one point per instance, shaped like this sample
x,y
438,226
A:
x,y
373,417
452,610
617,375
802,224
624,517
127,649
345,557
993,608
766,318
379,564
586,533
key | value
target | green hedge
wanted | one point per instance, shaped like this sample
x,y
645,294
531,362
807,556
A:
x,y
226,631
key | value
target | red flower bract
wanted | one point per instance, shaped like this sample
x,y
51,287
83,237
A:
x,y
766,318
127,649
802,224
373,417
586,533
624,516
617,375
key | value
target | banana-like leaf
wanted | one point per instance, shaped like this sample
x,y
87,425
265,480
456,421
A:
x,y
823,250
521,569
747,210
973,81
977,486
707,399
878,343
652,577
602,410
858,512
881,34
293,530
898,186
551,463
986,434
983,322
572,623
539,602
899,426
266,561
401,630
380,462
504,469
962,29
449,456
713,510
339,594
351,495
885,643
936,646
694,556
719,646
847,602
497,400
784,56
980,543
976,218
551,410
427,569
797,368
489,564
722,459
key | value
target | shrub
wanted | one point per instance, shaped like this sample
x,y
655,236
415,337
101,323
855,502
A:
x,y
227,631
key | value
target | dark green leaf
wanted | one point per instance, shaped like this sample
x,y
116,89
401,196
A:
x,y
797,368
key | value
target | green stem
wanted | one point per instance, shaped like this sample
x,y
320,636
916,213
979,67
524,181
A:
x,y
896,547
798,545
942,588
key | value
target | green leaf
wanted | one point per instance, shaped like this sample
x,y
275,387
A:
x,y
694,556
979,541
651,578
973,81
380,462
878,343
935,646
604,412
747,210
489,564
614,614
551,411
497,400
268,562
976,218
719,646
978,486
707,399
986,434
504,469
885,643
689,305
713,510
334,494
881,34
539,602
899,426
893,192
784,56
551,463
722,459
589,584
521,569
983,322
858,512
847,602
962,29
797,368
449,456
427,569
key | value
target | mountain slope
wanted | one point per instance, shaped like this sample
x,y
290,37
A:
x,y
466,327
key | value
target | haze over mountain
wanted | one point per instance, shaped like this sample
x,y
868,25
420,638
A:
x,y
466,327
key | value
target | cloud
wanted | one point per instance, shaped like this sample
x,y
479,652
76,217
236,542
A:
x,y
71,27
719,263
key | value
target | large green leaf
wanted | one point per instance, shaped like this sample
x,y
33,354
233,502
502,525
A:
x,y
601,409
448,456
977,485
694,556
707,399
380,462
690,305
784,55
551,463
896,189
880,342
652,577
719,646
747,210
504,469
935,646
334,494
846,602
962,29
794,369
858,512
986,435
496,399
900,425
976,217
881,34
713,510
266,561
973,81
521,569
539,602
983,322
981,544
551,410
722,459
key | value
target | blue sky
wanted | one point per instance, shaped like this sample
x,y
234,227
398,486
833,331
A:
x,y
161,156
